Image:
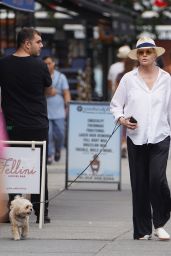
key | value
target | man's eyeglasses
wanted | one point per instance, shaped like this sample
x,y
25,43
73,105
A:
x,y
146,52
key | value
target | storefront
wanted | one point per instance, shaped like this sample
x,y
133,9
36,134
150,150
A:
x,y
13,14
82,35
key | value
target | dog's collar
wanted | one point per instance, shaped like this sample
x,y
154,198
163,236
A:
x,y
19,216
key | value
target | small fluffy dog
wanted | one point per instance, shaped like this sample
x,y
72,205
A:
x,y
20,209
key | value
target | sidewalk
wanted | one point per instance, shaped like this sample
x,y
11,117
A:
x,y
84,223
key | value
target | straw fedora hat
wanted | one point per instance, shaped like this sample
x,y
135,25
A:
x,y
123,52
145,43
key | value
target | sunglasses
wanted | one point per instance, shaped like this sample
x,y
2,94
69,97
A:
x,y
146,52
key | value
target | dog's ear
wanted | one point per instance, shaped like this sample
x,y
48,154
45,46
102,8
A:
x,y
17,210
12,205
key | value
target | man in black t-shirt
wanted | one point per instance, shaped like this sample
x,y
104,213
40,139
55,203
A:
x,y
25,81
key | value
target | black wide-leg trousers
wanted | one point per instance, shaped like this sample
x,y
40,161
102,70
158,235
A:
x,y
150,192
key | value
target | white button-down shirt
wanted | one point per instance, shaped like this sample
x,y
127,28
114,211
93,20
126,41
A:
x,y
150,107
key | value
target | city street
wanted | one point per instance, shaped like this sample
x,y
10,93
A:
x,y
61,62
84,223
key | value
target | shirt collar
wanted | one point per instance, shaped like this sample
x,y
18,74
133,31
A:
x,y
161,71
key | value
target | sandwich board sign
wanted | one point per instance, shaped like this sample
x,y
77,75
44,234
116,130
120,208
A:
x,y
20,170
90,124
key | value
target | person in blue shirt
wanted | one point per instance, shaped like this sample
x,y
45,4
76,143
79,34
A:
x,y
56,106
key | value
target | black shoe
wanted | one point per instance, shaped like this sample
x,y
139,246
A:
x,y
5,218
57,156
46,219
49,161
5,221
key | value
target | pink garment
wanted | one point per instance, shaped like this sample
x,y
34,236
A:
x,y
3,135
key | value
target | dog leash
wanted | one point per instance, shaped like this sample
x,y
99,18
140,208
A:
x,y
62,190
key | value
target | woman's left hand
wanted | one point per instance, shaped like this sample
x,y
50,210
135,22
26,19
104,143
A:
x,y
126,122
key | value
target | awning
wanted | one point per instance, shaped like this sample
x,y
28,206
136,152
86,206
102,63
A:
x,y
22,5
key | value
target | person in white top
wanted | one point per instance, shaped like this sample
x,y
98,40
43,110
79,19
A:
x,y
145,94
117,68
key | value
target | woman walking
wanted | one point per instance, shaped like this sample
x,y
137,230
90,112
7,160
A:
x,y
145,94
